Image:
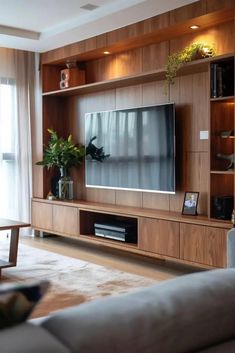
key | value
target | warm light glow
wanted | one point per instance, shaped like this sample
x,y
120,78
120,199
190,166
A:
x,y
106,52
194,27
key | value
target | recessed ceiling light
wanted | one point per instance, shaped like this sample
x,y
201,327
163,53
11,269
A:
x,y
106,52
194,27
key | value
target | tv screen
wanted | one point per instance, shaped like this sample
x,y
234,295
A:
x,y
131,149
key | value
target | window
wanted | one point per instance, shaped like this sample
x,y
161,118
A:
x,y
8,147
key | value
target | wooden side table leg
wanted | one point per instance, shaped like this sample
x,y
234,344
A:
x,y
13,251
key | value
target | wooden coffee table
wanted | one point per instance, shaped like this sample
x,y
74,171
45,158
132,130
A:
x,y
14,227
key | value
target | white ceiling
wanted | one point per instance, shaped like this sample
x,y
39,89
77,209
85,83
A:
x,y
42,25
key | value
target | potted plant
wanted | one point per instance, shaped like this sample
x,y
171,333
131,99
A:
x,y
63,154
197,50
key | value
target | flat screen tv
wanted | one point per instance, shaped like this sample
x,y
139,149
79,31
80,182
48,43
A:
x,y
138,149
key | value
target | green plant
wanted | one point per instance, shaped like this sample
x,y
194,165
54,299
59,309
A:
x,y
61,153
197,50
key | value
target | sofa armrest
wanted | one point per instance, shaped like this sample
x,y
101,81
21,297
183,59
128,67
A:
x,y
185,314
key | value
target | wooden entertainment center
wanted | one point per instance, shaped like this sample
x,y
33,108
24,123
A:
x,y
133,75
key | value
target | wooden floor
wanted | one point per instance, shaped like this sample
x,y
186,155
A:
x,y
152,268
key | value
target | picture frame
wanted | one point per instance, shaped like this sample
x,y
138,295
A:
x,y
190,203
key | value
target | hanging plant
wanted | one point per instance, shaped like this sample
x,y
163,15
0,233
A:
x,y
197,50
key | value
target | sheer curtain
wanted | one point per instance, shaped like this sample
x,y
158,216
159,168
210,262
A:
x,y
17,70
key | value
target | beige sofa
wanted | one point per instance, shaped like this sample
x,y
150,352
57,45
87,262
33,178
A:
x,y
190,314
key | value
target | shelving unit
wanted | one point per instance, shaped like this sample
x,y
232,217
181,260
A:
x,y
222,126
196,66
133,75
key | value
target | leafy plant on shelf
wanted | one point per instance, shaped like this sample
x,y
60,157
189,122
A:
x,y
62,153
197,50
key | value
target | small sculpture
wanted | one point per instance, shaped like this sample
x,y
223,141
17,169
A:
x,y
95,152
229,157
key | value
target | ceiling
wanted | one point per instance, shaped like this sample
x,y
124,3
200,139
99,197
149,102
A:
x,y
42,25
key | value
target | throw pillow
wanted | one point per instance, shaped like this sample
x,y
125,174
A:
x,y
18,300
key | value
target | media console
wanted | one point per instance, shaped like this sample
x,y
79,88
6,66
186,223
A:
x,y
166,235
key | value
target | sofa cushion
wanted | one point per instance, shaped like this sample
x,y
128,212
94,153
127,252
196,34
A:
x,y
29,338
185,314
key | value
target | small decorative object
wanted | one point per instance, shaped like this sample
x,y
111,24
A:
x,y
227,134
233,219
197,50
229,157
63,154
50,196
190,203
95,152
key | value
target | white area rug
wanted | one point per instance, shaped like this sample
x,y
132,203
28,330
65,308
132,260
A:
x,y
73,281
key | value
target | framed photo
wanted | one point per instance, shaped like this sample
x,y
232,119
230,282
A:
x,y
190,203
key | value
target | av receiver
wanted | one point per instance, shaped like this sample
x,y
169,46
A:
x,y
121,231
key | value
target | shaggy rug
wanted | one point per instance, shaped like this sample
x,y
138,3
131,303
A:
x,y
72,281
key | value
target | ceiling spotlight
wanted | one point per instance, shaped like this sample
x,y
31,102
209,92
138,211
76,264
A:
x,y
194,27
106,52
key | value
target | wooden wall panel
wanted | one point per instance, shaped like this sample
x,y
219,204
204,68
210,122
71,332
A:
x,y
113,66
216,5
129,198
154,93
155,56
129,97
191,94
196,177
222,36
201,109
37,139
55,116
101,69
157,201
186,12
129,63
155,23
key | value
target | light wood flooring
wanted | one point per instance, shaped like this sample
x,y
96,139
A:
x,y
140,265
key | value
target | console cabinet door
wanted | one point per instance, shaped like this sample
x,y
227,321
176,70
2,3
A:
x,y
159,236
42,216
204,245
65,220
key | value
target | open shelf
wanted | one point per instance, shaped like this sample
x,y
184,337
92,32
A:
x,y
224,99
108,242
195,66
222,172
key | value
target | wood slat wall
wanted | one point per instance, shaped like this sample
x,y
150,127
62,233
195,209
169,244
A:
x,y
190,93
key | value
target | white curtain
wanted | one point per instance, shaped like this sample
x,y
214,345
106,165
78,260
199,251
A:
x,y
17,72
